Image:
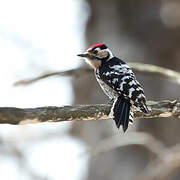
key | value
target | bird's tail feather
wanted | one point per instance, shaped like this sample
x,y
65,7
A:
x,y
121,113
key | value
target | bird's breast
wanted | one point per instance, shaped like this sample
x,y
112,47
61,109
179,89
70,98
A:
x,y
94,63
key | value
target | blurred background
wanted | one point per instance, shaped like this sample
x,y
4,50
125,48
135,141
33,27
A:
x,y
43,36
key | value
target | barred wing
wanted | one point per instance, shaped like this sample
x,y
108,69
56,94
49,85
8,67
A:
x,y
122,80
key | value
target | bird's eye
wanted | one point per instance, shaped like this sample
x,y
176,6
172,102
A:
x,y
95,51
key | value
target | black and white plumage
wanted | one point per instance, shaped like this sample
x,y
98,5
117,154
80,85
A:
x,y
118,82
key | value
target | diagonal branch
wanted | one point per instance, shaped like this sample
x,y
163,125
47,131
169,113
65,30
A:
x,y
73,72
136,67
11,115
156,71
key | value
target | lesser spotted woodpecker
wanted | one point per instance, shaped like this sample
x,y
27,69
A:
x,y
118,82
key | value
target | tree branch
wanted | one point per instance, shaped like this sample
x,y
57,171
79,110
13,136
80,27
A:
x,y
11,115
156,71
73,72
136,67
130,138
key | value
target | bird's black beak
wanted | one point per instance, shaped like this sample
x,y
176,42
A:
x,y
83,55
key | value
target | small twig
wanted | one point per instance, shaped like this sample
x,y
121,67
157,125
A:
x,y
136,67
11,115
73,72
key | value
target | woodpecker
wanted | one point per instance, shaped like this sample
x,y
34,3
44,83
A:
x,y
118,82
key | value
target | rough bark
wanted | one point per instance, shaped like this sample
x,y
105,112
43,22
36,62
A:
x,y
12,115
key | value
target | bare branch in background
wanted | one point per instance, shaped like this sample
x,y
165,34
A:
x,y
156,70
11,115
73,72
161,170
136,67
167,160
130,138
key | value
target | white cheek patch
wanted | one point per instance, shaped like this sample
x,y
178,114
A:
x,y
102,54
110,54
98,49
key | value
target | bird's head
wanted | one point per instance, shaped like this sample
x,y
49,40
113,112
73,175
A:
x,y
96,54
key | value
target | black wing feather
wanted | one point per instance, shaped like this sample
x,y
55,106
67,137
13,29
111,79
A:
x,y
118,76
126,117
